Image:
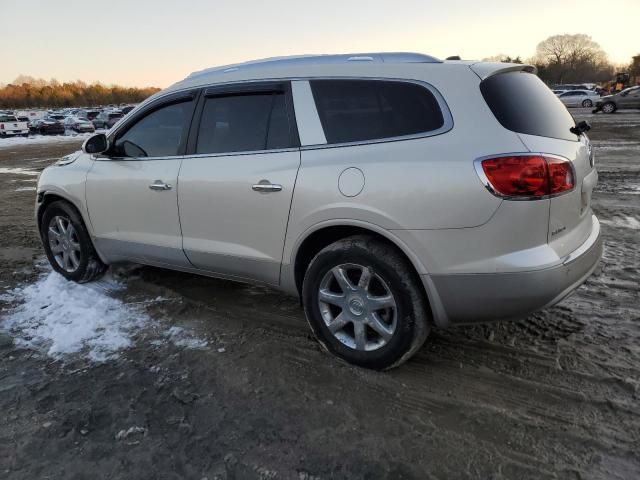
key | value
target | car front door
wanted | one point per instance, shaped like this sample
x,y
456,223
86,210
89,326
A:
x,y
131,190
236,183
634,98
568,98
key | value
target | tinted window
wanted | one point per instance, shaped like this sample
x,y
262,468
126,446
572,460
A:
x,y
358,110
523,104
244,123
159,134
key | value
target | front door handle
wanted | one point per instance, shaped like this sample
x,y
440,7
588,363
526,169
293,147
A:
x,y
265,187
160,185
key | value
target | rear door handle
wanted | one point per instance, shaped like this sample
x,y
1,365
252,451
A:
x,y
160,185
266,187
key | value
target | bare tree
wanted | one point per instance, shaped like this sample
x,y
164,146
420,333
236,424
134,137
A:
x,y
572,58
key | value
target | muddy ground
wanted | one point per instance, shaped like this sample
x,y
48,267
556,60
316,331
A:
x,y
554,396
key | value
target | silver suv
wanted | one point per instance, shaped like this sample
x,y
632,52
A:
x,y
390,192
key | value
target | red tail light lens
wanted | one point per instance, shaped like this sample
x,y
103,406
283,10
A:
x,y
533,176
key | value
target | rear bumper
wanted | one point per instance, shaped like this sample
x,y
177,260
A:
x,y
10,133
471,298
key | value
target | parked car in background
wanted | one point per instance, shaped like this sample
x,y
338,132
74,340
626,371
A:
x,y
48,126
127,109
627,98
78,124
345,181
57,116
88,114
107,119
11,126
579,98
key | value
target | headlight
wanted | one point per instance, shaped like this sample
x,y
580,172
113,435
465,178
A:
x,y
66,160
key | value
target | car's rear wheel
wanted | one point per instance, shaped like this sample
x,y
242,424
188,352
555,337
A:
x,y
587,103
609,107
68,245
364,304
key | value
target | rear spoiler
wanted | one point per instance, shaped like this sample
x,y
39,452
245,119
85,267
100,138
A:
x,y
486,69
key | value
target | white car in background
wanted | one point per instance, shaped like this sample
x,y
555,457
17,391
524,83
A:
x,y
78,124
579,98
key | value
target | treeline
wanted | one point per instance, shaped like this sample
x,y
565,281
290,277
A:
x,y
27,92
573,59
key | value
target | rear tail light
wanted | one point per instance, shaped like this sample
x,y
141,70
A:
x,y
526,176
1,126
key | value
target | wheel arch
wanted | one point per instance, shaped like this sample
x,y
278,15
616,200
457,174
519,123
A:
x,y
46,198
322,235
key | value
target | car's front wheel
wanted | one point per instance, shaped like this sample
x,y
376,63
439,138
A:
x,y
364,304
609,107
68,245
587,103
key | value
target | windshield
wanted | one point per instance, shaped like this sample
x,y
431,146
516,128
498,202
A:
x,y
522,103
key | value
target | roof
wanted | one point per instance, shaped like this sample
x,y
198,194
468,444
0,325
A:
x,y
309,60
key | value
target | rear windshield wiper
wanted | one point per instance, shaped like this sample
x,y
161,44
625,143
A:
x,y
580,128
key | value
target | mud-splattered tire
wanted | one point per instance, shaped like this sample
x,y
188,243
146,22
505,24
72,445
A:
x,y
360,284
68,245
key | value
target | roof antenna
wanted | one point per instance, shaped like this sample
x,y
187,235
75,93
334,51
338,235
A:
x,y
454,57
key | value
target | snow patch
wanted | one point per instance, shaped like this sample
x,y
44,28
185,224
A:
x,y
60,317
181,337
18,171
43,139
624,221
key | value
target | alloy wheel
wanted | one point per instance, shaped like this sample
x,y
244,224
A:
x,y
64,243
357,307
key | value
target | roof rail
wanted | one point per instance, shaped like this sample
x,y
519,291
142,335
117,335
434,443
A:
x,y
391,57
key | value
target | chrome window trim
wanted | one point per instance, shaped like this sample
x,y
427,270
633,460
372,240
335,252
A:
x,y
242,153
447,125
477,165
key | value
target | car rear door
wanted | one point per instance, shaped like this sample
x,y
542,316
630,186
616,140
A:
x,y
131,191
237,181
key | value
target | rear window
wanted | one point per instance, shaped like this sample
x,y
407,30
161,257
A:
x,y
7,118
359,110
523,104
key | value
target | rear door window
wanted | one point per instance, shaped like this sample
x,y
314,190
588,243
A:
x,y
522,103
360,110
244,123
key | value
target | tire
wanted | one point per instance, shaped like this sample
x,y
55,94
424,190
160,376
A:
x,y
587,103
609,107
390,314
70,252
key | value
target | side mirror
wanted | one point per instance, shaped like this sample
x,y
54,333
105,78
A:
x,y
96,144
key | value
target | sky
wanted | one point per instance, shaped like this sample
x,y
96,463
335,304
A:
x,y
158,42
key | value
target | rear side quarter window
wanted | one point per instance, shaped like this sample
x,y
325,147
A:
x,y
522,103
353,110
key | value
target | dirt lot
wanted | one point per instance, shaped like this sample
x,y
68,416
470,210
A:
x,y
238,389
